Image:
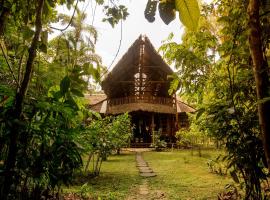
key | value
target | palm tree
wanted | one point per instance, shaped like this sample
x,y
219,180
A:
x,y
76,47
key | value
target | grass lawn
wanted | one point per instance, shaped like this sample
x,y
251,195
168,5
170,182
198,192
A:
x,y
118,175
183,176
179,176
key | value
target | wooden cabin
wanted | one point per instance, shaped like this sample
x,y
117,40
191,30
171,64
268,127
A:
x,y
138,84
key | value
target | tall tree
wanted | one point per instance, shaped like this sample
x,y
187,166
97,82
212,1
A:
x,y
261,72
19,98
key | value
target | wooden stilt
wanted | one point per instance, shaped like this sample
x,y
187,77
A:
x,y
153,127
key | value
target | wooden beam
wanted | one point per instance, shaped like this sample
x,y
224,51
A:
x,y
145,81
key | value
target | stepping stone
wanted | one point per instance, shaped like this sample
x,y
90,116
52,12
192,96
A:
x,y
144,169
147,174
141,165
149,170
141,168
141,161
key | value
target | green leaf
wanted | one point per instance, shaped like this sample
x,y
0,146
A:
x,y
64,85
234,176
150,10
57,95
167,12
264,100
189,13
27,32
77,92
72,102
199,113
13,8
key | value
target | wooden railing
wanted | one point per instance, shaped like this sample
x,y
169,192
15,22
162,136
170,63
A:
x,y
142,99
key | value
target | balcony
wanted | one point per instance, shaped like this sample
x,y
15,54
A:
x,y
144,103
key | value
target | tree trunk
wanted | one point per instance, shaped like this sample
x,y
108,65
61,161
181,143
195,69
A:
x,y
260,70
3,19
18,105
88,162
96,164
118,151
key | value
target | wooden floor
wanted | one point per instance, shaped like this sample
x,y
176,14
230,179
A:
x,y
140,145
147,145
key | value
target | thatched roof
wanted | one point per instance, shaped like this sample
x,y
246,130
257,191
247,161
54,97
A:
x,y
183,107
95,102
93,99
141,57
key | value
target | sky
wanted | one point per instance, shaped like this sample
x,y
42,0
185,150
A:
x,y
135,24
132,27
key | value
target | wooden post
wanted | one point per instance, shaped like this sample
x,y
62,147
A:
x,y
176,115
153,127
176,121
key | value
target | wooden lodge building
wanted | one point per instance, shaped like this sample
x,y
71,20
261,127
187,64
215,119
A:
x,y
139,85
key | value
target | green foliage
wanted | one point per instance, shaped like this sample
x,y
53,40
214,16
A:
x,y
189,12
217,167
48,156
115,14
167,11
103,136
195,136
223,89
157,143
41,88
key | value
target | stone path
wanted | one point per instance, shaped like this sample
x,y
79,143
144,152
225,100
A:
x,y
144,169
143,191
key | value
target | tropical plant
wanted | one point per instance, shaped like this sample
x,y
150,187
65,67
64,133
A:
x,y
103,136
158,144
41,107
223,89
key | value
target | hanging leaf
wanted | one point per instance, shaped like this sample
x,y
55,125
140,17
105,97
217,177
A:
x,y
64,85
150,10
70,100
167,11
234,176
27,32
189,13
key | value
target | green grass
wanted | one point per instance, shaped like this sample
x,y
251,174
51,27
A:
x,y
183,176
118,175
179,175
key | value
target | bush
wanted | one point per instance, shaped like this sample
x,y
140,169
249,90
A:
x,y
102,136
157,143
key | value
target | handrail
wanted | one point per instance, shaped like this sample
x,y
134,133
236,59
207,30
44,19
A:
x,y
142,99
